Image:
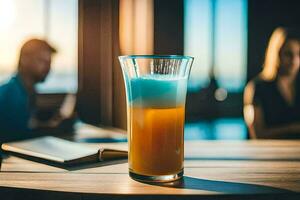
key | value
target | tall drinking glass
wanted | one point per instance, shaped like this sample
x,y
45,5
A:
x,y
156,92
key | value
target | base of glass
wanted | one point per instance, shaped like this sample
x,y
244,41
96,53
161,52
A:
x,y
156,179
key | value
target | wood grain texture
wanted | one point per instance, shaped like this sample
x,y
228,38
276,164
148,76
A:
x,y
213,169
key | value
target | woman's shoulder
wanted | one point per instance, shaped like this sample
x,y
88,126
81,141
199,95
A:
x,y
259,83
256,87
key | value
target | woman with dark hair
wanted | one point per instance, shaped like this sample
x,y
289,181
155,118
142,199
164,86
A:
x,y
272,99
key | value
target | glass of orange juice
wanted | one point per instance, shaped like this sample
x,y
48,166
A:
x,y
156,91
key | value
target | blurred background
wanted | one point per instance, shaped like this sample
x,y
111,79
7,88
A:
x,y
228,39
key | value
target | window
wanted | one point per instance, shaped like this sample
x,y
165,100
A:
x,y
215,33
53,20
230,50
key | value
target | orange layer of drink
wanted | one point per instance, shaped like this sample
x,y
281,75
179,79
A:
x,y
156,140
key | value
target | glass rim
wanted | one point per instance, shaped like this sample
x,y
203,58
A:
x,y
157,57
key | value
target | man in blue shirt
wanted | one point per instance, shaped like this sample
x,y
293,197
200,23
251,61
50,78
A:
x,y
17,96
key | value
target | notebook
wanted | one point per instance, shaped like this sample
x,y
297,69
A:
x,y
61,151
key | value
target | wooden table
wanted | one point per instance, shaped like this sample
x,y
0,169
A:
x,y
262,169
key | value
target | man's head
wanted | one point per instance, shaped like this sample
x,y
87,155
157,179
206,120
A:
x,y
35,60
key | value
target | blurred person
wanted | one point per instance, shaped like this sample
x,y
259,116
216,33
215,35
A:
x,y
17,96
272,99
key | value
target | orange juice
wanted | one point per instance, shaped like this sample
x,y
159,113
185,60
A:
x,y
156,140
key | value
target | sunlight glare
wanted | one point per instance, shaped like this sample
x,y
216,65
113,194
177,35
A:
x,y
7,14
